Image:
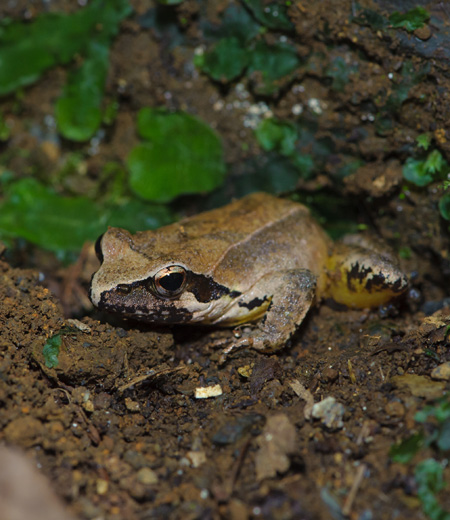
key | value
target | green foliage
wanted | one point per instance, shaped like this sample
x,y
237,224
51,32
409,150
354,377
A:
x,y
429,473
371,18
424,141
283,138
273,134
5,131
78,110
444,206
181,154
430,481
236,22
412,20
270,64
225,61
238,51
340,71
272,15
405,451
36,213
28,49
50,351
422,172
405,253
409,76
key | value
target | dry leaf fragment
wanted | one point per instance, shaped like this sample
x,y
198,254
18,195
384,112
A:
x,y
302,392
276,443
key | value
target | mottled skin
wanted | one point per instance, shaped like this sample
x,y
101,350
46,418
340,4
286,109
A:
x,y
259,258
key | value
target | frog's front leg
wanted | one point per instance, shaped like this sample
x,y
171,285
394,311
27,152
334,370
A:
x,y
289,295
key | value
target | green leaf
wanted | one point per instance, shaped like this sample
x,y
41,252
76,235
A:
x,y
412,20
429,478
406,450
443,440
424,141
78,110
170,2
226,61
439,411
422,173
414,171
236,22
36,213
273,134
28,49
136,215
435,163
272,15
182,155
304,162
50,351
444,206
271,63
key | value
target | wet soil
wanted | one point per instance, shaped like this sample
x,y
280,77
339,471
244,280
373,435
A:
x,y
118,426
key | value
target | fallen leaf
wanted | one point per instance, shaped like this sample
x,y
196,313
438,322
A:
x,y
277,441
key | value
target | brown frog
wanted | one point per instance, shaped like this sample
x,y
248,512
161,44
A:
x,y
259,259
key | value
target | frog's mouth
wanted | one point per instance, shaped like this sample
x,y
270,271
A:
x,y
141,306
202,300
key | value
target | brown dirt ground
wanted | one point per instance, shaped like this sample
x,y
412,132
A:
x,y
116,427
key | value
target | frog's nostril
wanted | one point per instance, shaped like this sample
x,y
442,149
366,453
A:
x,y
98,248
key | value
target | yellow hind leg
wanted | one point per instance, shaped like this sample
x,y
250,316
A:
x,y
362,274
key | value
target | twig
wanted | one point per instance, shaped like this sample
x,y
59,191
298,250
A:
x,y
354,489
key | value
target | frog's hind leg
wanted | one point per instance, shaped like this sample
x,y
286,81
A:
x,y
291,293
363,273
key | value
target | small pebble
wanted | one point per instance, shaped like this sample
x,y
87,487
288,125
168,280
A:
x,y
441,372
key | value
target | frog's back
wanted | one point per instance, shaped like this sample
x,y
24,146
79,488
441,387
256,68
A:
x,y
251,236
281,235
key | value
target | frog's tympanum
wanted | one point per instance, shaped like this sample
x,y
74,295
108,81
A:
x,y
260,259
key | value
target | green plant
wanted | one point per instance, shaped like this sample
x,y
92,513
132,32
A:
x,y
179,154
411,20
423,171
27,50
428,473
50,351
239,48
60,224
432,167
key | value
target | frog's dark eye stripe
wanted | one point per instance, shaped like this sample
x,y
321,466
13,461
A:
x,y
170,281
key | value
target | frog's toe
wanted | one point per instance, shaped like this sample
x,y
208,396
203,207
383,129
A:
x,y
362,278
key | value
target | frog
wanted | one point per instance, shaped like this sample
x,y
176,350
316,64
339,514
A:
x,y
260,261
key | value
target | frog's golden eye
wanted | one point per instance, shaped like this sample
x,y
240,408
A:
x,y
170,281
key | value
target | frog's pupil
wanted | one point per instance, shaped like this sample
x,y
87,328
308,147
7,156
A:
x,y
172,282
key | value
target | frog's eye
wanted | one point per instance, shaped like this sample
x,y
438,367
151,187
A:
x,y
170,281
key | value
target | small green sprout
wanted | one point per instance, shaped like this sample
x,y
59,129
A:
x,y
51,351
412,20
